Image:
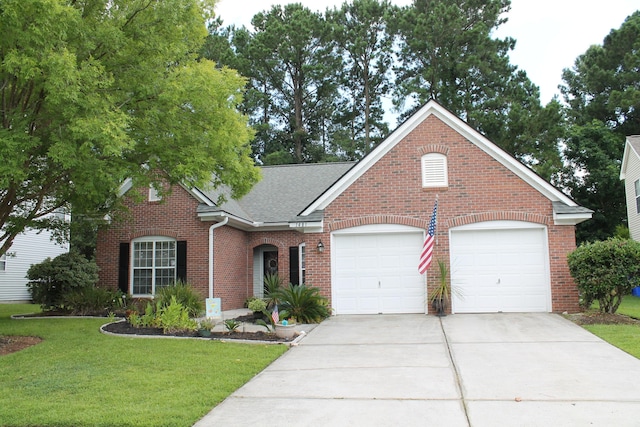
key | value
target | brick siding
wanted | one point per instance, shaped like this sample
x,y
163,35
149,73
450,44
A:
x,y
390,192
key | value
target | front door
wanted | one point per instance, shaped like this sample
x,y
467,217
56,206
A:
x,y
270,263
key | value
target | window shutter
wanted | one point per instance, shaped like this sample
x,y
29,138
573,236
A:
x,y
294,271
434,170
123,268
181,260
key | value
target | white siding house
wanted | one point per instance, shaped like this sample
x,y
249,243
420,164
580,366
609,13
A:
x,y
630,173
30,247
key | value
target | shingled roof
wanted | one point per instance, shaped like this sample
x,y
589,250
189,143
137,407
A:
x,y
283,192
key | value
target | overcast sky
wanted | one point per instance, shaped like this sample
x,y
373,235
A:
x,y
550,34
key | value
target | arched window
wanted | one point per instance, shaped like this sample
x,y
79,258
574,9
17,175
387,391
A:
x,y
434,170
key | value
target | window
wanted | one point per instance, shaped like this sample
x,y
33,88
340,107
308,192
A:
x,y
153,194
434,170
302,264
154,264
637,185
3,262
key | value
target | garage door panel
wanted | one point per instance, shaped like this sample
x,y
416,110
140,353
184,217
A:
x,y
500,270
388,261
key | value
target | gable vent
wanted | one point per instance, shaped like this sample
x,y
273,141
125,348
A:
x,y
434,170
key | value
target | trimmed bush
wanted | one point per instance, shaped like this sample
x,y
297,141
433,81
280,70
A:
x,y
184,294
52,279
92,301
605,271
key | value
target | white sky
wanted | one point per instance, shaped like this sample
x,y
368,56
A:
x,y
550,34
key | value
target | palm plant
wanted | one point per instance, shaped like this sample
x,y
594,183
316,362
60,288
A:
x,y
272,286
304,304
439,296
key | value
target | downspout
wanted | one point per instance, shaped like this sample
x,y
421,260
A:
x,y
213,227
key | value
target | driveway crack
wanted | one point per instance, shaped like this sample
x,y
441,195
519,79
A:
x,y
456,373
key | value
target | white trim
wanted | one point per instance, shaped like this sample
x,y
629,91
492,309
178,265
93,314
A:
x,y
570,219
497,225
457,124
378,228
628,148
302,250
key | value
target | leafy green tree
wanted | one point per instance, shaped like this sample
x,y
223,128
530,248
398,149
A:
x,y
361,30
594,156
602,91
447,53
293,62
95,92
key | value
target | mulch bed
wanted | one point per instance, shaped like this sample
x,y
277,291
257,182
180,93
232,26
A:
x,y
126,328
597,318
11,344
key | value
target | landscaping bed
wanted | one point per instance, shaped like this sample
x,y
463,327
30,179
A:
x,y
597,318
126,328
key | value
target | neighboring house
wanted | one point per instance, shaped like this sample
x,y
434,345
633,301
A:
x,y
630,173
355,230
28,248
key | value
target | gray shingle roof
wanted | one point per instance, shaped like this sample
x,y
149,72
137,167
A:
x,y
283,192
563,208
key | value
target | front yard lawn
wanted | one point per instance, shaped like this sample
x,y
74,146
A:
x,y
80,377
625,337
630,306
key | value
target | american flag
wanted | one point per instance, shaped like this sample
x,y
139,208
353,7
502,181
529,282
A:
x,y
275,315
427,248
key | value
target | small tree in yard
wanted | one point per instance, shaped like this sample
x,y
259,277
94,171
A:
x,y
605,271
51,281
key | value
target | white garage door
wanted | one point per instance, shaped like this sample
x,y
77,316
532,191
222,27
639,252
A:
x,y
375,270
501,269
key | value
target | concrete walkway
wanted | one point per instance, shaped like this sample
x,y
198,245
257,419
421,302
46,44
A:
x,y
461,370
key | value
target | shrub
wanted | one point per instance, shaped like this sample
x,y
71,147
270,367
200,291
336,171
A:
x,y
272,287
184,294
303,303
91,300
605,271
175,318
257,305
52,279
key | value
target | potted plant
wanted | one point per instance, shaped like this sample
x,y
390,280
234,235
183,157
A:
x,y
439,296
205,326
285,329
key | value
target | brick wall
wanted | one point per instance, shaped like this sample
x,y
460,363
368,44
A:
x,y
480,189
176,217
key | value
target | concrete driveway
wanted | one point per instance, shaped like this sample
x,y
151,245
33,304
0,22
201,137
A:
x,y
460,370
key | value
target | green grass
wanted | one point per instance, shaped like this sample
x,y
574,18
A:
x,y
630,306
80,377
625,337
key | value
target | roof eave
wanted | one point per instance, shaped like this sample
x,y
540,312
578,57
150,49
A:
x,y
307,226
571,219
